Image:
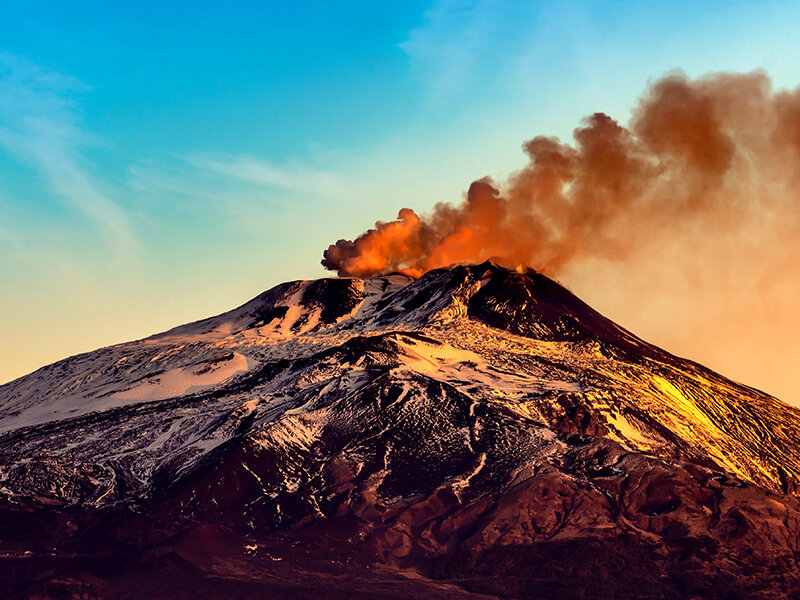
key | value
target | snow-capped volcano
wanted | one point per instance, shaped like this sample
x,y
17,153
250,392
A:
x,y
428,426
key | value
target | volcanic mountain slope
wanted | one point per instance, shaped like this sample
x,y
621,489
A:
x,y
476,432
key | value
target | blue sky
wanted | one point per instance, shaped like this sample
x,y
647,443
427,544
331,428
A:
x,y
164,161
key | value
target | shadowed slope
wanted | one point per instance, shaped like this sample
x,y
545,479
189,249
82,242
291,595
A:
x,y
474,431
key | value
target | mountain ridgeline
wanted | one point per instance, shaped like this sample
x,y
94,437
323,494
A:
x,y
474,433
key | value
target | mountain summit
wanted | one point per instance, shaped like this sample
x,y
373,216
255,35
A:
x,y
474,433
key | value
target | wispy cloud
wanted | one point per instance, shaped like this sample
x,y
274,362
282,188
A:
x,y
452,43
287,176
249,192
498,50
40,126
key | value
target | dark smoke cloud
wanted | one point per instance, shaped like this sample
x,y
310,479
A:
x,y
683,225
698,155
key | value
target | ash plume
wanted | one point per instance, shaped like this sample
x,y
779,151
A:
x,y
698,157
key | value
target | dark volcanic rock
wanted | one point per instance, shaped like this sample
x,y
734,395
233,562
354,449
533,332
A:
x,y
476,433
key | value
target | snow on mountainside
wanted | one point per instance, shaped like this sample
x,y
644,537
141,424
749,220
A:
x,y
515,340
435,420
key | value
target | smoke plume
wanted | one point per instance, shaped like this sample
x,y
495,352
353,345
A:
x,y
698,158
683,225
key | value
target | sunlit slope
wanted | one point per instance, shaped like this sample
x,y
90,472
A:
x,y
142,411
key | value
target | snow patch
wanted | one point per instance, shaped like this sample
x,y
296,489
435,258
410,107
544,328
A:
x,y
185,380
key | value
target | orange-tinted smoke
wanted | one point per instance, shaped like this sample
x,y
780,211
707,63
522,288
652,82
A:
x,y
699,157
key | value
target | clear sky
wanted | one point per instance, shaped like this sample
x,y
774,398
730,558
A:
x,y
164,161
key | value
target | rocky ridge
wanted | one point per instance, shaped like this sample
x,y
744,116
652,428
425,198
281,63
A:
x,y
477,432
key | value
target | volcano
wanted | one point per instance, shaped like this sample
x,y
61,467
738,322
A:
x,y
474,433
